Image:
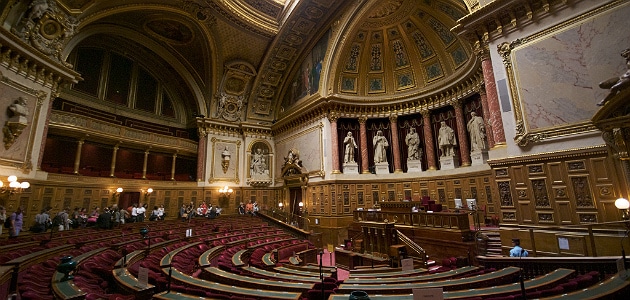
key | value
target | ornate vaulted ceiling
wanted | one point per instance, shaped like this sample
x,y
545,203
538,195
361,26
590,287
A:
x,y
400,47
378,51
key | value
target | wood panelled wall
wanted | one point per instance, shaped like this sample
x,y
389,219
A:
x,y
562,188
341,198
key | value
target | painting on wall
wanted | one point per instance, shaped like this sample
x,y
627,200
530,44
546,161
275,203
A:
x,y
307,80
569,59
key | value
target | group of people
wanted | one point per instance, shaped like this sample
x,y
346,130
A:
x,y
187,212
446,141
251,208
66,219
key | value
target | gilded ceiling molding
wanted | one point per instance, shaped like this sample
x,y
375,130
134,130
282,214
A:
x,y
258,23
212,127
288,46
598,150
256,131
33,65
500,17
307,117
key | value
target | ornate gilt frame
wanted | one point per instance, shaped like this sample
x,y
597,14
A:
x,y
524,134
216,177
38,96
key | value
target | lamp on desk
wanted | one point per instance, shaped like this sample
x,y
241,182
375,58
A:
x,y
144,232
623,205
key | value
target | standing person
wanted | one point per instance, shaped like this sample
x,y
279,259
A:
x,y
241,209
75,218
42,220
517,251
134,213
446,139
62,219
413,140
350,145
380,147
142,209
17,220
249,207
160,213
3,217
477,130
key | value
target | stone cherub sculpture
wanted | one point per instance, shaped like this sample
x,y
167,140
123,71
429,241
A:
x,y
617,84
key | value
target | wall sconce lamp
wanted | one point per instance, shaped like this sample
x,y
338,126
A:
x,y
14,187
280,205
226,191
301,205
147,193
116,193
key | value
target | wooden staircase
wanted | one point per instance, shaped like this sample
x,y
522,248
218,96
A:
x,y
489,242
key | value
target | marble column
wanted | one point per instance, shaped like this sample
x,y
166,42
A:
x,y
393,120
365,163
334,141
494,107
462,134
77,157
486,116
429,145
144,165
112,167
201,154
173,166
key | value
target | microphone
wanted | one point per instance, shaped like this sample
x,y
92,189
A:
x,y
170,270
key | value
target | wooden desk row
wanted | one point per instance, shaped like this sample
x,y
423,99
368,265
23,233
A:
x,y
506,289
502,276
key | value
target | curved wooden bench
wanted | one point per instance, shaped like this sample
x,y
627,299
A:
x,y
413,278
218,275
225,288
498,277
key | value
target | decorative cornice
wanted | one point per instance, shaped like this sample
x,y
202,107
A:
x,y
26,61
599,150
503,16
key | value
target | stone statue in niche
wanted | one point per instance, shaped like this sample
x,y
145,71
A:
x,y
413,142
617,84
446,140
350,145
477,129
18,119
258,163
380,147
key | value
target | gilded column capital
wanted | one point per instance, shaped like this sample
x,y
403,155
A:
x,y
393,118
362,119
482,50
333,116
203,133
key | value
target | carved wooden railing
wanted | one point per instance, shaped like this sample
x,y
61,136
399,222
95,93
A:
x,y
443,220
415,248
538,266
